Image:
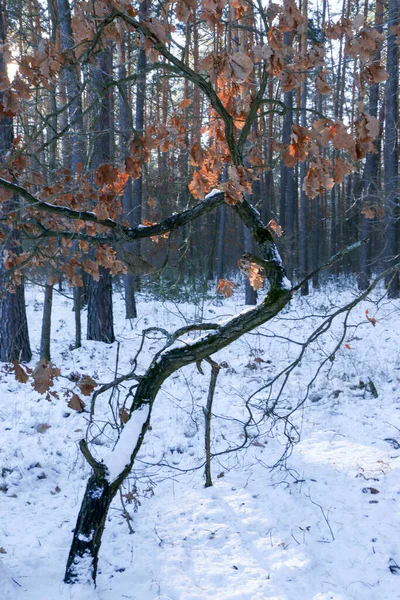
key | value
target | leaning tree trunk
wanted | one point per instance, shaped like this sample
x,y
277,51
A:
x,y
102,486
107,477
14,336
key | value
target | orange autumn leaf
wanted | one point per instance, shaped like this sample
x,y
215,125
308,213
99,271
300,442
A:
x,y
20,374
375,73
185,103
253,272
106,173
372,320
241,66
321,86
43,376
368,212
275,227
225,287
184,10
86,384
341,169
76,403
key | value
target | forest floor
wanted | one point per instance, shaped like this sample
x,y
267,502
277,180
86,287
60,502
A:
x,y
323,524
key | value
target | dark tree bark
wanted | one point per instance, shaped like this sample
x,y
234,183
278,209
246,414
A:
x,y
100,315
221,234
303,213
103,485
14,336
250,293
215,368
133,195
46,323
391,150
370,193
77,153
221,242
90,526
127,203
100,324
288,192
316,239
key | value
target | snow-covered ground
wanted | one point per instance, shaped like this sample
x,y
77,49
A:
x,y
322,525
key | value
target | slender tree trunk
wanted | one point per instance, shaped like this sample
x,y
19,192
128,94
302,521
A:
x,y
303,213
46,323
135,214
370,192
100,310
391,150
250,293
288,194
77,156
316,239
221,235
215,368
127,199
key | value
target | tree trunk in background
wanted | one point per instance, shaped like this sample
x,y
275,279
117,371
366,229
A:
x,y
314,258
303,212
77,144
125,120
46,323
100,309
288,192
316,239
370,175
221,234
250,293
134,208
391,150
14,336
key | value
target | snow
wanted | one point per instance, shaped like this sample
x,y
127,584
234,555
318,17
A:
x,y
321,525
286,285
214,192
117,460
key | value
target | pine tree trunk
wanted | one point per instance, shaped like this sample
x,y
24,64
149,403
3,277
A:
x,y
76,158
127,199
288,193
14,336
371,191
391,151
46,323
100,310
250,293
303,214
221,235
